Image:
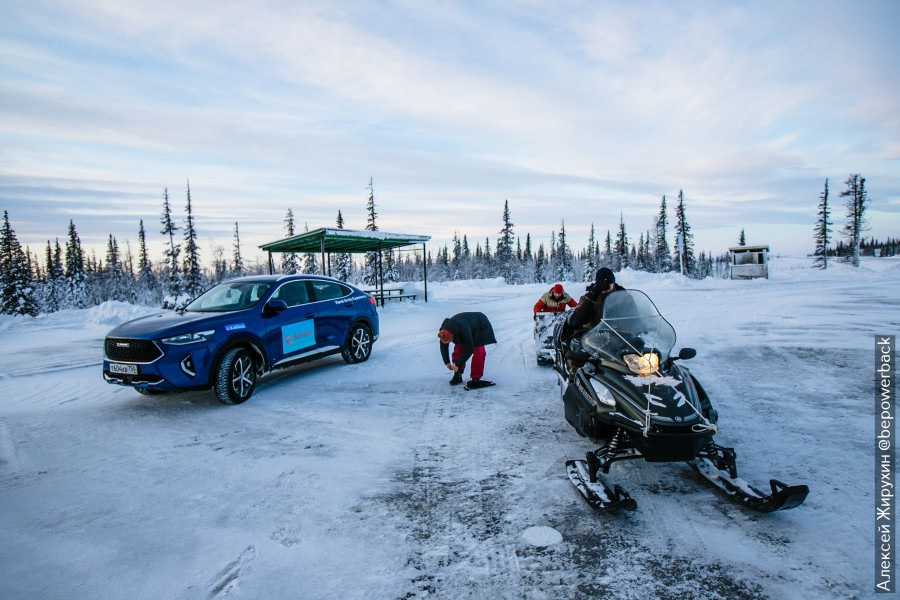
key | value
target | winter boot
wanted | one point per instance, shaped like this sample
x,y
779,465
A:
x,y
457,378
474,384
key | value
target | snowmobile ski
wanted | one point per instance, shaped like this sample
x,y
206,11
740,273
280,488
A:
x,y
477,384
783,496
597,494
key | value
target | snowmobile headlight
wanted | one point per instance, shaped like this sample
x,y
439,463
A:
x,y
189,338
603,393
642,364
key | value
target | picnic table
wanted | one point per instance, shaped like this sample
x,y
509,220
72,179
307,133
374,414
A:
x,y
395,293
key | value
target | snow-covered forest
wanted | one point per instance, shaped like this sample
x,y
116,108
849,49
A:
x,y
65,276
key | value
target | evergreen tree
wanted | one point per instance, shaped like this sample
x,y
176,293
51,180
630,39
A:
x,y
823,230
684,250
857,203
76,289
342,260
370,269
742,239
504,255
237,261
539,265
114,283
289,259
456,259
193,275
564,259
621,260
146,279
607,258
310,262
590,257
17,290
662,260
172,285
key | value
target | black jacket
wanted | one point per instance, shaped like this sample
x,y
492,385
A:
x,y
469,329
589,311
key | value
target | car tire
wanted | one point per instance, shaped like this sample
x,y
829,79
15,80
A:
x,y
358,346
235,377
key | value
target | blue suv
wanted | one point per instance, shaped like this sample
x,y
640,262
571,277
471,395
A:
x,y
240,329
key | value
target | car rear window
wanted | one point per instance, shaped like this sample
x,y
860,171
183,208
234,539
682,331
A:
x,y
328,290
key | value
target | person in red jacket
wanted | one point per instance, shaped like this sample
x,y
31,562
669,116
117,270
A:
x,y
554,301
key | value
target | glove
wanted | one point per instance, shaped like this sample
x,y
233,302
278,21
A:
x,y
593,292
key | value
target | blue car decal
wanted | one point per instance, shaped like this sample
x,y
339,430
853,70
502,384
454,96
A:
x,y
235,327
298,336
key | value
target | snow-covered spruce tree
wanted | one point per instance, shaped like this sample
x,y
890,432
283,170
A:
x,y
565,270
823,230
857,203
148,286
237,261
606,258
112,281
289,259
466,262
456,258
590,257
172,285
504,255
17,290
685,250
341,261
193,274
370,267
662,258
76,288
742,239
54,288
540,263
621,260
527,261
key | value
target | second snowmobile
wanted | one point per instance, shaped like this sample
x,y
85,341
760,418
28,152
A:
x,y
624,389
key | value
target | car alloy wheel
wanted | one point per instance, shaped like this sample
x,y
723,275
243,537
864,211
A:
x,y
359,344
236,376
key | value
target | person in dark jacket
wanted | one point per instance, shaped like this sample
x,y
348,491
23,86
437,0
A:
x,y
470,332
589,311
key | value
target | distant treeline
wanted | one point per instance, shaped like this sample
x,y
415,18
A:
x,y
67,277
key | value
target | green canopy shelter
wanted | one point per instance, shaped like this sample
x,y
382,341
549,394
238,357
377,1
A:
x,y
350,241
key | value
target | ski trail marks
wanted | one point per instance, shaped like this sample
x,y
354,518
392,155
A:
x,y
226,579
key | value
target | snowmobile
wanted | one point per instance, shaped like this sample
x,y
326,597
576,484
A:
x,y
544,327
623,388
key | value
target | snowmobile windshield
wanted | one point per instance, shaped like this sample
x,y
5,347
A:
x,y
631,325
229,296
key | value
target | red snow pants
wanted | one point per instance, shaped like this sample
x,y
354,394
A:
x,y
478,355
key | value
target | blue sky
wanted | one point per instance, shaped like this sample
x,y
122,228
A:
x,y
572,111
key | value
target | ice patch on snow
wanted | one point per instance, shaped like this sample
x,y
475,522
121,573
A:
x,y
542,536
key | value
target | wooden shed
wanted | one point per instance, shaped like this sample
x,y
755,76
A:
x,y
749,262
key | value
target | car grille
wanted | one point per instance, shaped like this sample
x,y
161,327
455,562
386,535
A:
x,y
131,350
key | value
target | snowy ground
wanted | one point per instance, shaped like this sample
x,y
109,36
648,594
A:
x,y
381,481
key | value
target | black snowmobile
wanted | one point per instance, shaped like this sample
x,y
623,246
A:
x,y
622,388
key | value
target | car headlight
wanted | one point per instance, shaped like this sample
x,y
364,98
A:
x,y
188,338
603,393
642,364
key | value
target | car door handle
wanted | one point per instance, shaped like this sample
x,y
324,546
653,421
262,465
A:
x,y
309,315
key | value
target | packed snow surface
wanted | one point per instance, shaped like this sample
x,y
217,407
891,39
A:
x,y
379,480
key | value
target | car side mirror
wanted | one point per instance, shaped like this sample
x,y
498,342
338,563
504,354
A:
x,y
275,306
687,353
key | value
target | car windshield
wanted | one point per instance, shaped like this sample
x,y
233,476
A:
x,y
229,296
631,324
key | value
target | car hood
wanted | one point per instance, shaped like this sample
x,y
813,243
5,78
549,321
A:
x,y
173,323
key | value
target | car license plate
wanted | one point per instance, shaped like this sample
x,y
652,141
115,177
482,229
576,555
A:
x,y
123,369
